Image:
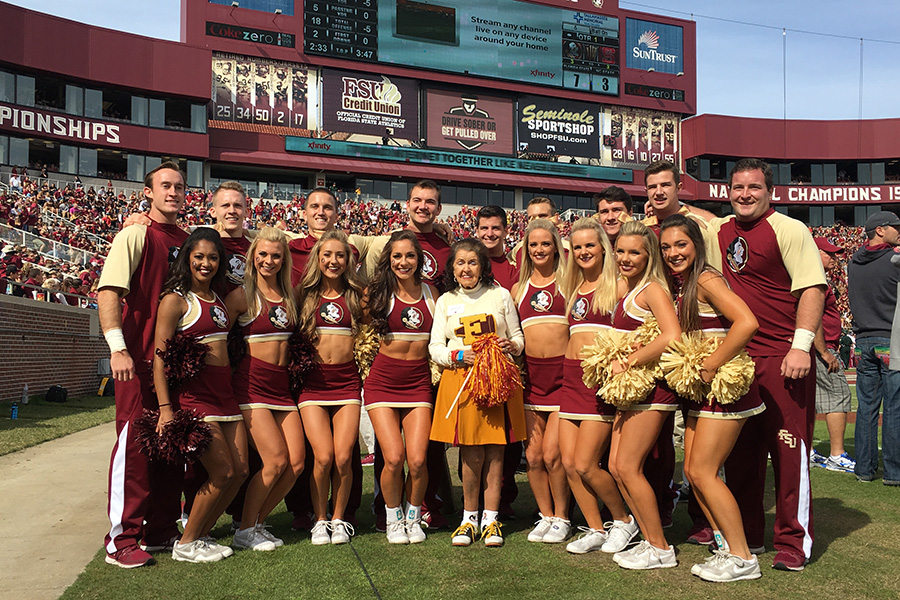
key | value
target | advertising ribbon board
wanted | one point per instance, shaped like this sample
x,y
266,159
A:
x,y
370,104
562,127
461,120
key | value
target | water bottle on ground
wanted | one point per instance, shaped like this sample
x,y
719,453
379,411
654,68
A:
x,y
14,412
25,394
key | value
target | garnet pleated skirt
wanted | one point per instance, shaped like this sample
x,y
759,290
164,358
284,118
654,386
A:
x,y
210,394
261,384
331,385
579,402
543,385
395,383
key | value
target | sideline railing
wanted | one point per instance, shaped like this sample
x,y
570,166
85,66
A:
x,y
46,247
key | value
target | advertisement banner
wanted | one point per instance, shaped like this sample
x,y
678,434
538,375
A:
x,y
560,127
655,46
813,194
634,137
471,122
370,104
259,91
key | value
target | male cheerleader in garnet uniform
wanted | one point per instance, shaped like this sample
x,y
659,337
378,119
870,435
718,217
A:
x,y
144,497
772,263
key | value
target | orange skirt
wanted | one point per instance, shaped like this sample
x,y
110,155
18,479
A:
x,y
471,425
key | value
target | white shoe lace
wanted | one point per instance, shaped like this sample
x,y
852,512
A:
x,y
336,524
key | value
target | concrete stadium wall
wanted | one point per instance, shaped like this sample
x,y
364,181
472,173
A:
x,y
45,344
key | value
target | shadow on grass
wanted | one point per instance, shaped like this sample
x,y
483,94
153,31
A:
x,y
842,520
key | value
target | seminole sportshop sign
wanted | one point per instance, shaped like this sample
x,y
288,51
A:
x,y
560,127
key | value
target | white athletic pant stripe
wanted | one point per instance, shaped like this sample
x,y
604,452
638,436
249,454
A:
x,y
117,489
803,507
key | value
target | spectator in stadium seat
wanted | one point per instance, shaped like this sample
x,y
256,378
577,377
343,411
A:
x,y
832,390
872,286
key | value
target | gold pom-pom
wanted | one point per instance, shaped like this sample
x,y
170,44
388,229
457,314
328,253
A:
x,y
365,349
647,331
609,345
732,380
682,361
494,375
436,372
628,387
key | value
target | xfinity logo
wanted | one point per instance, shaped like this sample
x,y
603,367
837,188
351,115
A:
x,y
319,146
537,73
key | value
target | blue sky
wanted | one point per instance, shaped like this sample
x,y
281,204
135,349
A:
x,y
741,51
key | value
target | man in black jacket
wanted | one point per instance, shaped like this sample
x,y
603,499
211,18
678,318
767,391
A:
x,y
872,289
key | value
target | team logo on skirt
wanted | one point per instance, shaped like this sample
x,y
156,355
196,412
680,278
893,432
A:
x,y
737,254
411,317
331,313
236,266
429,266
278,317
542,301
219,316
580,309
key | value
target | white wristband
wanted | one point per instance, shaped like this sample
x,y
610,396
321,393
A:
x,y
115,340
803,340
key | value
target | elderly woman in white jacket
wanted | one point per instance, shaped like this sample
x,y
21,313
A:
x,y
474,305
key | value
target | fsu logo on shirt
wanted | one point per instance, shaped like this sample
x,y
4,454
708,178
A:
x,y
411,317
219,316
580,309
278,317
429,266
237,264
331,313
542,301
737,254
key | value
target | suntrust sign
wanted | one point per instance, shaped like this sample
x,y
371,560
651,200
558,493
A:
x,y
246,34
813,194
654,46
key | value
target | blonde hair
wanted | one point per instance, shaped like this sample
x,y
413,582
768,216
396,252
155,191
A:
x,y
309,291
654,270
251,290
527,267
605,296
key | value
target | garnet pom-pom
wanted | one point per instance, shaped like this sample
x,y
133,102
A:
x,y
301,359
365,349
494,375
184,357
184,439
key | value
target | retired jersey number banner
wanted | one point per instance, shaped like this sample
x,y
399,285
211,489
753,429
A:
x,y
634,137
370,104
469,122
562,127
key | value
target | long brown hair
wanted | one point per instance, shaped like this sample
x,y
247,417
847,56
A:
x,y
686,291
384,283
310,289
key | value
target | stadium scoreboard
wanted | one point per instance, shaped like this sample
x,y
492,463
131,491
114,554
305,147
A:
x,y
504,39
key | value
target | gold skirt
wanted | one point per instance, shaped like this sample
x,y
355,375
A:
x,y
469,424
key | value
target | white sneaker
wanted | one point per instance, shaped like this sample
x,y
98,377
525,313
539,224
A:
x,y
492,535
320,533
414,531
541,527
646,556
251,539
341,531
590,540
619,534
726,567
197,551
396,532
464,535
225,551
695,570
263,531
560,531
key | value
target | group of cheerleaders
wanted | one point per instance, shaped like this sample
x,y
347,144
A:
x,y
563,299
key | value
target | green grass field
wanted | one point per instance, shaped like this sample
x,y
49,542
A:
x,y
857,530
40,421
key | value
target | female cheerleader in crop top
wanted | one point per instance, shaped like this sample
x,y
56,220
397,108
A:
x,y
643,293
330,297
706,303
542,313
189,305
397,391
267,312
585,421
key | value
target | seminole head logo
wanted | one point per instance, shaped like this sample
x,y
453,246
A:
x,y
237,264
580,309
737,254
429,266
219,317
331,313
542,301
411,317
278,317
